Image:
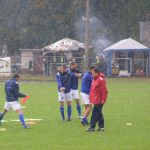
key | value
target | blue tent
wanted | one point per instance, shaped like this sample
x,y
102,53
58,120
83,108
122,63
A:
x,y
126,45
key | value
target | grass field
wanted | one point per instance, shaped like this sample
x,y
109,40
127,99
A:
x,y
128,102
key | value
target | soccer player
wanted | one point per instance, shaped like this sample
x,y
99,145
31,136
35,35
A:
x,y
63,79
75,75
85,92
98,95
12,95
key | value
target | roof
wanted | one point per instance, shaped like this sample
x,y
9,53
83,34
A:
x,y
30,49
126,44
65,44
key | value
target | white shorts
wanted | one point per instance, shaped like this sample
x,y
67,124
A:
x,y
14,105
62,97
85,98
75,94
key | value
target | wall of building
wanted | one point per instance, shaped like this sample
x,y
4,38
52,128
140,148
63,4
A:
x,y
26,56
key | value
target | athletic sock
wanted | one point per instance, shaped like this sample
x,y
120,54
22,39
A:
x,y
1,116
62,112
79,110
21,118
69,110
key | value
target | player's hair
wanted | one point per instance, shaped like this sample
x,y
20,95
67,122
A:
x,y
73,63
64,66
15,75
96,70
91,67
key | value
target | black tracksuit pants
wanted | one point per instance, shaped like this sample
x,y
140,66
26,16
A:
x,y
97,116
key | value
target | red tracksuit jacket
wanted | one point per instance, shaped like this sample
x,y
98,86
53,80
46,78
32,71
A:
x,y
98,92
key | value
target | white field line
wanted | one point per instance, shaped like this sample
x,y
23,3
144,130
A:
x,y
17,120
4,121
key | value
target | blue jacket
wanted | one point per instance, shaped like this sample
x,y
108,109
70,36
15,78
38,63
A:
x,y
63,80
74,79
12,91
86,83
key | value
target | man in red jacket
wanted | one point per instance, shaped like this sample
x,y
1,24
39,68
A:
x,y
98,95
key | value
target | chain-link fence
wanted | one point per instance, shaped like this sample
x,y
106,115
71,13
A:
x,y
48,65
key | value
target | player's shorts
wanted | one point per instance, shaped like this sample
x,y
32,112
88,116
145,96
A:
x,y
75,94
85,98
14,105
62,97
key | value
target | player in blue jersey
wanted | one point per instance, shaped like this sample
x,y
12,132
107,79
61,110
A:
x,y
63,79
75,75
85,91
12,95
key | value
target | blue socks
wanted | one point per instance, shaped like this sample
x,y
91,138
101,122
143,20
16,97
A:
x,y
69,110
79,110
62,112
21,118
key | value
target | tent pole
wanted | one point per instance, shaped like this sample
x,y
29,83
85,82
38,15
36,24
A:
x,y
109,69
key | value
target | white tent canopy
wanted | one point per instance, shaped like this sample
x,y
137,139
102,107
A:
x,y
65,44
126,44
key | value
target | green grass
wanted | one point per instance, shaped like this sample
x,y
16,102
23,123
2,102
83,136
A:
x,y
128,102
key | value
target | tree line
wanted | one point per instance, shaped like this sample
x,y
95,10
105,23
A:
x,y
37,23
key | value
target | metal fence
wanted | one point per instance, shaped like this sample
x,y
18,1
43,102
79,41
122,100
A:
x,y
48,66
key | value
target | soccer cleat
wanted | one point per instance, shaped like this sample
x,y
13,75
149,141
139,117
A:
x,y
1,116
1,120
69,119
84,123
100,129
26,127
63,119
90,130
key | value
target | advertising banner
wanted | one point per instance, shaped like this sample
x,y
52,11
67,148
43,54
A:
x,y
5,66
